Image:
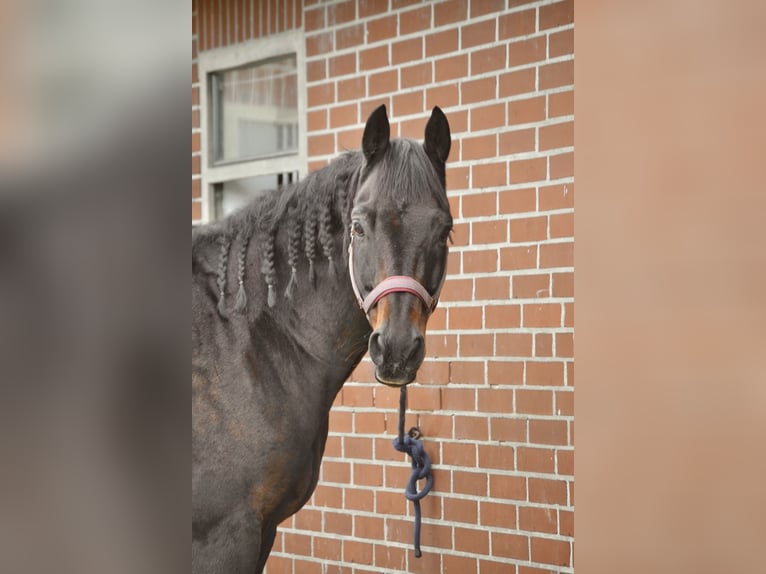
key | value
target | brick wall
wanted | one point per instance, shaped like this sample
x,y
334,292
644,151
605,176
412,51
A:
x,y
495,393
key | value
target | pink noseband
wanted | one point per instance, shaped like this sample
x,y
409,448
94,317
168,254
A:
x,y
393,284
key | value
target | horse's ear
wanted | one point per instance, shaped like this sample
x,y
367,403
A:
x,y
376,134
438,140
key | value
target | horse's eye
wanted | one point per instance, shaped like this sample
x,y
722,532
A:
x,y
356,229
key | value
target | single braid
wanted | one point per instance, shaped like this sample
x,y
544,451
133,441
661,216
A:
x,y
268,270
241,301
325,236
222,272
293,249
309,245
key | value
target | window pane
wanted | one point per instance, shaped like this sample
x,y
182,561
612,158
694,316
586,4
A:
x,y
231,195
255,110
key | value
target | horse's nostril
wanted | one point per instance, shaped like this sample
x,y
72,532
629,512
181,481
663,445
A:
x,y
376,347
417,349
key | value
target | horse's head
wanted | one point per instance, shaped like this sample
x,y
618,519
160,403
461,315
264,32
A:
x,y
400,226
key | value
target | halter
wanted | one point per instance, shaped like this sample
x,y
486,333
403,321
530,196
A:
x,y
392,284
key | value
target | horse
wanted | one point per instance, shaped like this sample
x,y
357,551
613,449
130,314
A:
x,y
287,296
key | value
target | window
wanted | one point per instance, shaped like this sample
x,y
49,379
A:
x,y
254,132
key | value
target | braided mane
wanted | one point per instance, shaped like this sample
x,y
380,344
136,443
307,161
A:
x,y
313,210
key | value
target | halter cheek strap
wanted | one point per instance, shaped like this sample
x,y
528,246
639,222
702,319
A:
x,y
393,284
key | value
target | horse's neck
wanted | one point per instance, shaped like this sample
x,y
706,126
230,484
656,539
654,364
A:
x,y
324,331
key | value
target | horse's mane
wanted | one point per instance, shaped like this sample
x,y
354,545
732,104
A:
x,y
313,210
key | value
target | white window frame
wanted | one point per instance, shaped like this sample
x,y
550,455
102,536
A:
x,y
221,59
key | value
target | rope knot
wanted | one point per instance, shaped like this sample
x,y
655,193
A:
x,y
421,466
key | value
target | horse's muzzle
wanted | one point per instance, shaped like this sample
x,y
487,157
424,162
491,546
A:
x,y
397,357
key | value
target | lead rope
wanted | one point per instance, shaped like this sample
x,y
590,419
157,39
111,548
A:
x,y
421,465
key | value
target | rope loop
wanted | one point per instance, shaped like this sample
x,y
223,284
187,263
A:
x,y
421,466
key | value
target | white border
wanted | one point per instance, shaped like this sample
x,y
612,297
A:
x,y
231,57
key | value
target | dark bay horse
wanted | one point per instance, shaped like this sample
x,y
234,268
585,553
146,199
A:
x,y
287,296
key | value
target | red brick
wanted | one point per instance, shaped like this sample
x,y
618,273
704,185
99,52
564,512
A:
x,y
452,68
196,189
474,90
557,14
458,454
561,43
367,474
333,471
456,290
319,44
508,429
486,232
326,548
543,345
321,94
415,20
513,344
505,372
563,284
368,527
407,51
465,318
535,459
351,89
562,225
450,12
528,170
442,42
502,316
517,24
354,552
343,115
341,13
476,205
528,228
372,7
561,104
562,165
547,491
373,58
357,447
381,29
557,255
556,75
382,82
471,540
424,398
473,483
545,373
196,210
488,117
462,372
453,564
559,196
533,402
479,147
565,462
510,546
517,200
542,315
342,65
480,261
489,175
407,103
549,551
416,75
557,136
488,60
523,257
498,514
442,96
316,70
317,120
548,432
519,82
480,345
314,19
494,400
566,523
476,34
526,51
564,345
526,111
298,544
471,428
535,519
348,37
517,141
503,487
